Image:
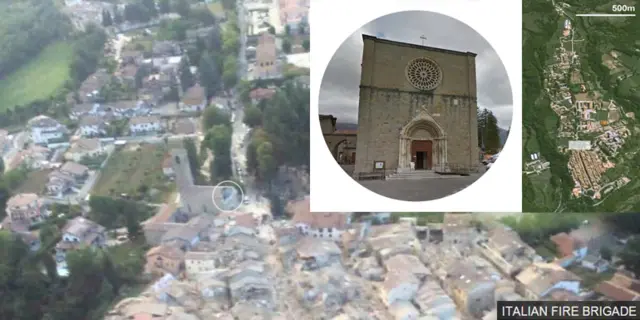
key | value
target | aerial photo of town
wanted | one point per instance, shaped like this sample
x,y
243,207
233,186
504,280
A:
x,y
580,105
129,132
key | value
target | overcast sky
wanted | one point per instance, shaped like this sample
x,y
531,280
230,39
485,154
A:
x,y
339,90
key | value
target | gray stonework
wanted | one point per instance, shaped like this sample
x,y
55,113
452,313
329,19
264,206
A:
x,y
388,103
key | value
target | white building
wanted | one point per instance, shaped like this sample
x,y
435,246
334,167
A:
x,y
87,109
329,225
59,184
78,233
91,126
199,262
25,208
145,124
45,129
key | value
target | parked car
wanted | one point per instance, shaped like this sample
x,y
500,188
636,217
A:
x,y
489,162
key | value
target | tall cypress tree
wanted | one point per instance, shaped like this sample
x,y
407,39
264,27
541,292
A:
x,y
488,132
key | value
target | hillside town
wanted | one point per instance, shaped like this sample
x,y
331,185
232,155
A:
x,y
592,127
170,134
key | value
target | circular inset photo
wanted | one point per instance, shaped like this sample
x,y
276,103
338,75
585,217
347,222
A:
x,y
415,106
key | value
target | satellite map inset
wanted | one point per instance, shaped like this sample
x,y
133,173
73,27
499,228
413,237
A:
x,y
581,79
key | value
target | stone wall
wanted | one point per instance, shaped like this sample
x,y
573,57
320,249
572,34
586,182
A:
x,y
388,102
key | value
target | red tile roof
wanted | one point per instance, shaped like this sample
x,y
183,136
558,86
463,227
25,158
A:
x,y
565,243
616,293
262,93
246,220
301,211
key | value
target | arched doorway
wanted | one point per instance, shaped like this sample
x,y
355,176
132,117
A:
x,y
424,142
344,152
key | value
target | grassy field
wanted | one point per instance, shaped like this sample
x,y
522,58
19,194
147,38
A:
x,y
39,78
132,170
35,182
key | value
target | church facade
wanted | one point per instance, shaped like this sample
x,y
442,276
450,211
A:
x,y
417,105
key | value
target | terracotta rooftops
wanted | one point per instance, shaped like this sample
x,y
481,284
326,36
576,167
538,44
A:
x,y
565,243
166,251
301,211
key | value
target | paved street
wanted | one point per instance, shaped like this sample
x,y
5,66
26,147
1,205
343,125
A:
x,y
257,204
419,190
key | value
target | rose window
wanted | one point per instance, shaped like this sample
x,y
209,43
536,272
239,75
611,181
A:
x,y
424,74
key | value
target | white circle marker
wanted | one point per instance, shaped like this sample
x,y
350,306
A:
x,y
219,185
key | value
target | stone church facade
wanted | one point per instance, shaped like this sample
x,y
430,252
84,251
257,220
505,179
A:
x,y
417,104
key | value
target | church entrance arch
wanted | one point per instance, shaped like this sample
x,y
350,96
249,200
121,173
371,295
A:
x,y
423,142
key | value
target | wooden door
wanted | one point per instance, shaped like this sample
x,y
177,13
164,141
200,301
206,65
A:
x,y
425,146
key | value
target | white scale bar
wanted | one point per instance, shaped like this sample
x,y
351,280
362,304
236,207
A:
x,y
606,15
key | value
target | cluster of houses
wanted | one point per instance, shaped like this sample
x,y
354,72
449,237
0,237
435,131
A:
x,y
69,177
25,210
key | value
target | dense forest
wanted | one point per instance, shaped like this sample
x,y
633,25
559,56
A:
x,y
27,27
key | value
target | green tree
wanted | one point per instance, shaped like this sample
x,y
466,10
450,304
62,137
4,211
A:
x,y
187,79
192,155
212,42
134,229
106,18
230,41
203,16
630,255
49,234
182,8
267,165
285,121
230,72
306,44
488,132
277,205
213,116
252,116
209,75
229,5
272,30
244,92
136,12
287,30
286,46
218,139
1,166
150,5
117,16
164,6
605,253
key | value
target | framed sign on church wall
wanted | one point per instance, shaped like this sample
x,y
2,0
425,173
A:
x,y
378,165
